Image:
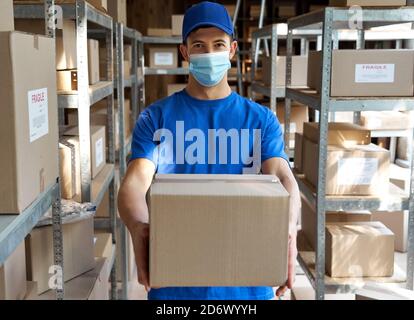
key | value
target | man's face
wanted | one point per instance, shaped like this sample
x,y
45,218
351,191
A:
x,y
208,40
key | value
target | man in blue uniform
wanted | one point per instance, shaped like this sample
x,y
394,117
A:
x,y
189,133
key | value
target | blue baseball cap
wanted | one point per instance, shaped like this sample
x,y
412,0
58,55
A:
x,y
207,14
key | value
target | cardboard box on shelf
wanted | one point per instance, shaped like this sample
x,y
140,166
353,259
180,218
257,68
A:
x,y
397,222
28,123
309,220
67,80
175,87
104,248
68,177
231,9
98,147
177,24
255,10
127,69
287,11
369,165
386,120
400,177
159,32
128,52
298,152
339,134
299,71
359,249
117,9
373,291
6,15
367,3
299,115
102,211
182,250
93,61
78,252
403,150
361,73
163,57
13,275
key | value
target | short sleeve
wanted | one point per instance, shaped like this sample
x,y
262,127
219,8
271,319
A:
x,y
143,144
273,145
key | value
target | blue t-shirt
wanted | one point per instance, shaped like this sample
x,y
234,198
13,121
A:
x,y
185,135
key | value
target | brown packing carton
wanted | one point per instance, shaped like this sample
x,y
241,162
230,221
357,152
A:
x,y
177,24
159,32
362,73
102,211
359,249
13,275
67,80
386,120
6,15
67,152
231,9
287,11
93,61
175,87
369,165
299,71
367,3
218,230
163,57
78,252
339,134
98,147
397,222
299,115
309,220
127,69
298,152
117,9
28,122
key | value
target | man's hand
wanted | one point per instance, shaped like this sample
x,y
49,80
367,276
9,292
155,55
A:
x,y
140,240
292,255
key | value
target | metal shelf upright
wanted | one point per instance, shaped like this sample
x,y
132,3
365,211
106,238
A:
x,y
86,16
330,20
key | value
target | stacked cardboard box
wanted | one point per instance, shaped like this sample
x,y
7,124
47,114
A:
x,y
365,72
28,123
163,57
6,15
299,71
159,32
177,25
348,151
248,216
13,284
117,9
397,222
387,120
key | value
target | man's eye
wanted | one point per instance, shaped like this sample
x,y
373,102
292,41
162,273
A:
x,y
220,44
198,45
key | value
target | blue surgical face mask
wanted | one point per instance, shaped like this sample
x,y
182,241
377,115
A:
x,y
210,68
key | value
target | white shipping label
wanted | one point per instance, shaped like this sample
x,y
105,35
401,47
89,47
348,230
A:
x,y
99,151
374,73
38,114
357,171
164,58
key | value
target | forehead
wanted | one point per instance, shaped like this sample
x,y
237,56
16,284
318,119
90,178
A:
x,y
208,34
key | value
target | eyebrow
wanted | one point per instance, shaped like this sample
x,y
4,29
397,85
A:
x,y
215,41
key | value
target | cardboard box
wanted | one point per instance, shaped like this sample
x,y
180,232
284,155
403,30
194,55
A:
x,y
403,149
163,57
309,222
67,80
287,11
400,177
177,24
127,69
68,177
397,222
299,114
28,122
78,252
231,9
339,134
117,9
104,249
255,10
298,152
128,52
6,15
369,165
367,3
93,61
98,147
102,211
373,291
13,275
159,32
218,230
386,120
175,87
359,249
299,71
362,73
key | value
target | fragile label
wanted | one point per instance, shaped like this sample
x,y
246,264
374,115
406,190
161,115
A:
x,y
38,114
374,73
164,58
99,149
357,171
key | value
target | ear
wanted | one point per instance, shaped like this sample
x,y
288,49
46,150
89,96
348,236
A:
x,y
184,52
233,48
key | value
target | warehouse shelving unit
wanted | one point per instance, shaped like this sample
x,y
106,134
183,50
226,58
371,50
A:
x,y
329,20
85,15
